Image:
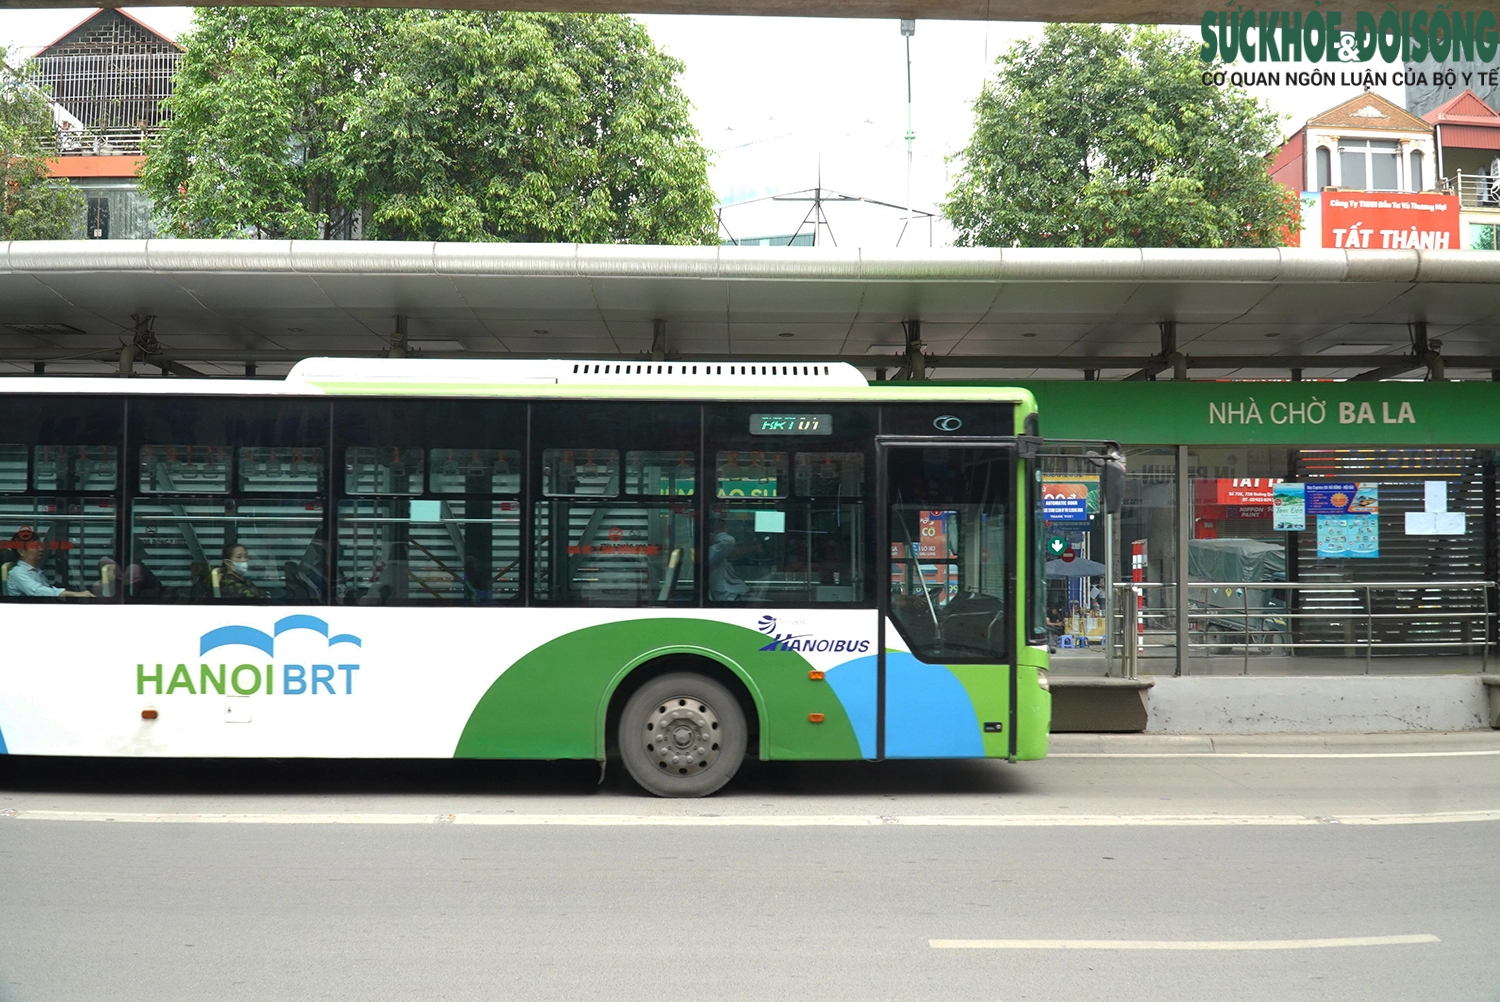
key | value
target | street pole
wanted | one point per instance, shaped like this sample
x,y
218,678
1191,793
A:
x,y
908,29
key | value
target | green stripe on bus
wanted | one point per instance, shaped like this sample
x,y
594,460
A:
x,y
551,703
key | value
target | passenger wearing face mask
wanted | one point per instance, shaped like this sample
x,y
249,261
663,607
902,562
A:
x,y
233,584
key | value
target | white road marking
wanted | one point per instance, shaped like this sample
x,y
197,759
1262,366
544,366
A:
x,y
1177,944
1127,754
762,820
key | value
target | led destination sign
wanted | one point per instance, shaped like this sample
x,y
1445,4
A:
x,y
791,424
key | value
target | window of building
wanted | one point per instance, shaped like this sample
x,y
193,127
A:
x,y
1324,167
468,471
580,472
187,469
1369,164
12,468
1484,236
76,467
383,470
1418,175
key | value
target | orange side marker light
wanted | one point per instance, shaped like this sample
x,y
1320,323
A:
x,y
815,675
148,714
816,718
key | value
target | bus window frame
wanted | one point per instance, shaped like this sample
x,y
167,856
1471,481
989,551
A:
x,y
345,413
884,445
737,437
31,412
138,431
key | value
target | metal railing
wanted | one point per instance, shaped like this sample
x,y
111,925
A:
x,y
1474,191
108,88
1407,615
115,142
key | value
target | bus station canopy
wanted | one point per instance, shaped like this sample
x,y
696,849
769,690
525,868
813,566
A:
x,y
212,307
1112,11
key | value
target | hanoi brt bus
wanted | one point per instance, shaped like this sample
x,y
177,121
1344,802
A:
x,y
681,562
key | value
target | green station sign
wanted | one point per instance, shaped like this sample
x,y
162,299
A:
x,y
1281,413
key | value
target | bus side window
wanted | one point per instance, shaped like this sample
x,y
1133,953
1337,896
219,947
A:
x,y
58,513
616,520
615,555
788,540
429,509
229,501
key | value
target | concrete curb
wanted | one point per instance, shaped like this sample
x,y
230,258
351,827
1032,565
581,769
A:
x,y
1323,704
1435,742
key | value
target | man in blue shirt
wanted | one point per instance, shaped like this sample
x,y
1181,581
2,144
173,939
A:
x,y
26,579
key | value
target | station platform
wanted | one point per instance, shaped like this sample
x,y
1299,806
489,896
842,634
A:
x,y
1398,695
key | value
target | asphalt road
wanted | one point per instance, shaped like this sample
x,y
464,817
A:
x,y
808,882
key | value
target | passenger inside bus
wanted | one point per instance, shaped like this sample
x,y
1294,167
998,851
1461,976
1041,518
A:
x,y
232,581
24,578
724,582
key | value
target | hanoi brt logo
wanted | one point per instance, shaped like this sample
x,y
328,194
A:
x,y
248,679
805,642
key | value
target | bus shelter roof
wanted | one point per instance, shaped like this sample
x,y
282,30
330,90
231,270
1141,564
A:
x,y
212,307
1113,11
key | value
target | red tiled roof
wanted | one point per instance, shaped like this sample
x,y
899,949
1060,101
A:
x,y
1467,108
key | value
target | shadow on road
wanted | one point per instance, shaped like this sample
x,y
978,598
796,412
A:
x,y
562,778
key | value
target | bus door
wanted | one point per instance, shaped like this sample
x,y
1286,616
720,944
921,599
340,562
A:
x,y
946,675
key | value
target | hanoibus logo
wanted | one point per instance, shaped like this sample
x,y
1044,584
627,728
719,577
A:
x,y
250,679
806,642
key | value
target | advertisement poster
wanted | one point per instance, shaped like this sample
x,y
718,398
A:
x,y
1288,508
932,532
1348,536
1388,221
1245,490
1342,499
1066,502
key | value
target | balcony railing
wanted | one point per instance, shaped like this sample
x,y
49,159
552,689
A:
x,y
1474,191
116,142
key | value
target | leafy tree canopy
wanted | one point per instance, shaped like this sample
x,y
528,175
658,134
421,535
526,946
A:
x,y
1098,136
434,125
34,205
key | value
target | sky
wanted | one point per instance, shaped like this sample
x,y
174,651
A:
x,y
787,103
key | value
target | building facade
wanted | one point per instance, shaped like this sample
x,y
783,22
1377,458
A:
x,y
1467,132
107,78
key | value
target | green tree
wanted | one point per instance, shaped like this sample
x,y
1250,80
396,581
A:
x,y
434,125
1095,136
34,205
260,104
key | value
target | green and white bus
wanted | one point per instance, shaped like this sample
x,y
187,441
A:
x,y
683,563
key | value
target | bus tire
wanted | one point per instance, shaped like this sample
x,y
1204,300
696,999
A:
x,y
682,735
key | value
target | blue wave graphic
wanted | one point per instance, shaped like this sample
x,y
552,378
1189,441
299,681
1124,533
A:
x,y
301,623
928,712
226,635
2,744
262,641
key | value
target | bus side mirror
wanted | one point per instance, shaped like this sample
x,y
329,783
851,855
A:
x,y
1111,478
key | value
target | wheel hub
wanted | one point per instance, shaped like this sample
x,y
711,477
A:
x,y
682,736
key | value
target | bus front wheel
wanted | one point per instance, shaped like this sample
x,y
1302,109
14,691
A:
x,y
682,735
